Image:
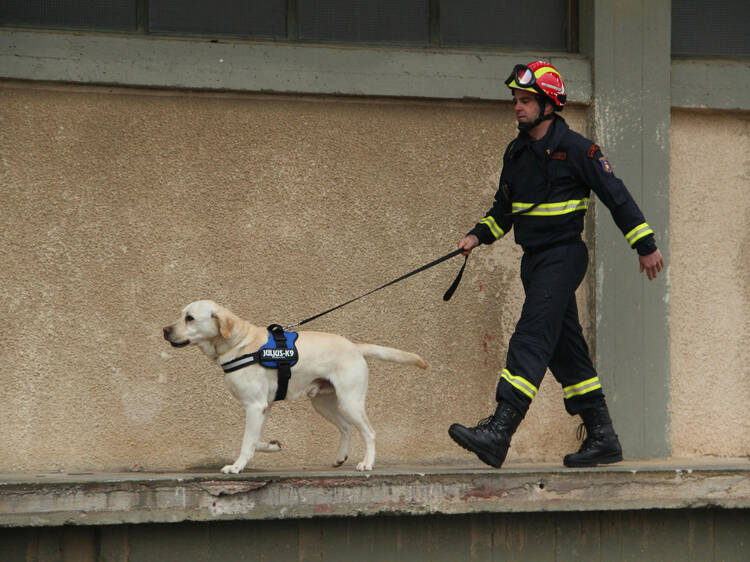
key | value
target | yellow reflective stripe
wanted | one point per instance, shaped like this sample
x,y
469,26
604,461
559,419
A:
x,y
544,69
638,232
553,209
497,232
520,383
584,387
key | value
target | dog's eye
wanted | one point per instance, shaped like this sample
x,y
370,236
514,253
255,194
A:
x,y
189,318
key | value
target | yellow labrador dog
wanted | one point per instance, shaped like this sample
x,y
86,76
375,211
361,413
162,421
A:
x,y
331,370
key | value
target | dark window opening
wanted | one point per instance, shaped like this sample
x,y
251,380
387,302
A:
x,y
474,24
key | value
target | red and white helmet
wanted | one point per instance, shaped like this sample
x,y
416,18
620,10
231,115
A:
x,y
541,78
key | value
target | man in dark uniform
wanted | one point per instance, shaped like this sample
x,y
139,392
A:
x,y
548,173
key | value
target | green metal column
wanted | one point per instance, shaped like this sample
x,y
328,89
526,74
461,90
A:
x,y
629,45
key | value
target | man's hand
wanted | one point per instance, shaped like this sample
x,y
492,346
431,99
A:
x,y
468,243
653,263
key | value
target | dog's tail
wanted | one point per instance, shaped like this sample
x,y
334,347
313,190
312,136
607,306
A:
x,y
391,354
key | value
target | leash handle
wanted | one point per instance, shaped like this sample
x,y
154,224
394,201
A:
x,y
452,289
446,297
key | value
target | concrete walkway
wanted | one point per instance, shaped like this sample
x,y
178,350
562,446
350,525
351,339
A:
x,y
89,498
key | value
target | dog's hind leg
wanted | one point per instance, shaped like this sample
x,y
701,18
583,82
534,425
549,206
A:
x,y
271,447
255,418
353,411
326,405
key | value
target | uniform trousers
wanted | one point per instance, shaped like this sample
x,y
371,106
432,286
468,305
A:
x,y
549,334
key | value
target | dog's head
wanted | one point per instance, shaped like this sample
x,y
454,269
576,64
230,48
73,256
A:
x,y
201,321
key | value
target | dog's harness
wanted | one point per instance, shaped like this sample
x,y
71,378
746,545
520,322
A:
x,y
279,352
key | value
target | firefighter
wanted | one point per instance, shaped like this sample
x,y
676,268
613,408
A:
x,y
544,192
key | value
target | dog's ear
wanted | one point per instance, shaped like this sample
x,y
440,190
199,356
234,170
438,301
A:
x,y
226,323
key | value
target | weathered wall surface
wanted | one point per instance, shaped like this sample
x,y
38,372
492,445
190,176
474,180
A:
x,y
710,283
121,206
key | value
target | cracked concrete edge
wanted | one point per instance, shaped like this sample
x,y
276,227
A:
x,y
125,499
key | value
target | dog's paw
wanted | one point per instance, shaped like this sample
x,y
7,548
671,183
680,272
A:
x,y
274,445
362,467
338,463
235,468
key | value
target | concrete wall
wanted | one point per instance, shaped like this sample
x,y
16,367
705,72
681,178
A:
x,y
710,282
121,206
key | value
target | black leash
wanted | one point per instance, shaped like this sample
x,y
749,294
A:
x,y
448,294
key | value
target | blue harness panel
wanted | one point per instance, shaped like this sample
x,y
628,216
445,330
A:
x,y
270,355
279,352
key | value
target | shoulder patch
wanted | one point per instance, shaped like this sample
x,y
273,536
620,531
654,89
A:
x,y
592,150
606,166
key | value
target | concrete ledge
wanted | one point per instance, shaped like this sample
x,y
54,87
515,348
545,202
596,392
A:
x,y
103,499
164,62
167,62
693,83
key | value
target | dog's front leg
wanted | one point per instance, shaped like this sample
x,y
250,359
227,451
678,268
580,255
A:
x,y
255,415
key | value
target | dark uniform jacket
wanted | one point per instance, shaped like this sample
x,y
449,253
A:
x,y
545,188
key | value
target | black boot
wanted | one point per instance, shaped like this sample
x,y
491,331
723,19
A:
x,y
490,439
601,445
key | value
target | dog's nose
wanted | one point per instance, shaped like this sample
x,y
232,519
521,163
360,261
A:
x,y
167,331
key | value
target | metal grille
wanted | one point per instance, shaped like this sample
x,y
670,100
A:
x,y
395,21
539,24
531,24
259,18
95,14
711,27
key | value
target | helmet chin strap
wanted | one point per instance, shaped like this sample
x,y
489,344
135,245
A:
x,y
526,127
